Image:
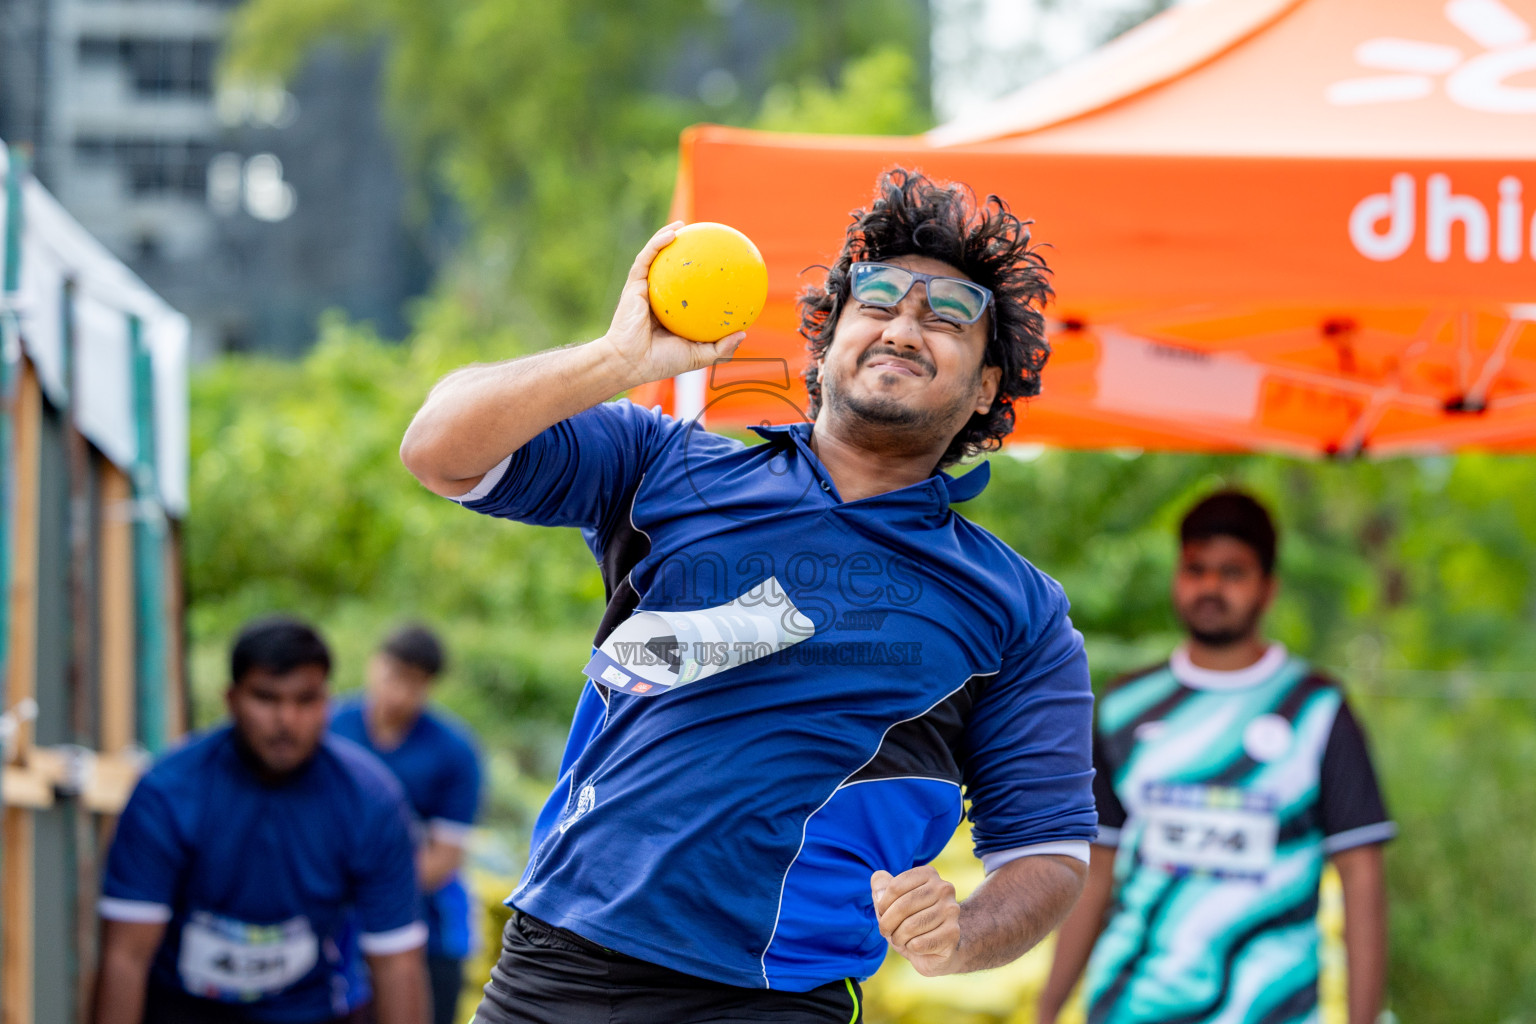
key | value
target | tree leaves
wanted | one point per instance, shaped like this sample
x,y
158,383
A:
x,y
554,126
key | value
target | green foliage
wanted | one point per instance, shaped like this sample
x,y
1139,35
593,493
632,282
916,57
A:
x,y
554,126
1430,562
873,97
300,503
1459,771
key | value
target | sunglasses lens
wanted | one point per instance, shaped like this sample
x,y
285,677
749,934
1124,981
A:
x,y
880,285
957,300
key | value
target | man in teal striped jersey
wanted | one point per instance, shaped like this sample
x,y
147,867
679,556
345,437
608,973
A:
x,y
1226,777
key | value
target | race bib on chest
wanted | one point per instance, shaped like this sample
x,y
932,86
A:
x,y
1216,830
222,958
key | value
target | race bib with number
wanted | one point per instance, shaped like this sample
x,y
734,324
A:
x,y
1214,830
222,958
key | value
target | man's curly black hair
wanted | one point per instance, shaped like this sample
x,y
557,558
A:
x,y
914,216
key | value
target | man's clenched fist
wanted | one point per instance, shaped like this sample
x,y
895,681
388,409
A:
x,y
920,918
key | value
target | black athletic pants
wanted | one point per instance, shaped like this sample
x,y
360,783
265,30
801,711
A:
x,y
446,975
549,975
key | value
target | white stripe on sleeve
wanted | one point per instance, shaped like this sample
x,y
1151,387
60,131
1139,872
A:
x,y
133,911
400,940
1075,848
487,483
1362,836
453,833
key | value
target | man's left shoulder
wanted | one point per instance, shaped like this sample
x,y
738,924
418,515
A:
x,y
1019,583
450,732
365,779
1313,678
346,716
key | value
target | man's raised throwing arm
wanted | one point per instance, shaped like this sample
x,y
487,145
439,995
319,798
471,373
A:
x,y
477,416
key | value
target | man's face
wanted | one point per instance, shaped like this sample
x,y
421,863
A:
x,y
397,690
903,367
1220,590
281,718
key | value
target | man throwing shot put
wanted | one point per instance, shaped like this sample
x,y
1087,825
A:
x,y
808,659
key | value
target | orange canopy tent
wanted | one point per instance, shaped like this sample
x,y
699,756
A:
x,y
1290,225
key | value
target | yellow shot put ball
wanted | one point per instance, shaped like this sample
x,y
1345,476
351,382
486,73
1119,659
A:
x,y
708,282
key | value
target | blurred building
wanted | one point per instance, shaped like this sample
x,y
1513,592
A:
x,y
252,212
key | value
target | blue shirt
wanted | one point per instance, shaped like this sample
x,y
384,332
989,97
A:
x,y
795,692
269,892
437,764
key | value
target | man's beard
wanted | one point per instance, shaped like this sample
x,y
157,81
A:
x,y
1220,637
1224,636
880,411
886,412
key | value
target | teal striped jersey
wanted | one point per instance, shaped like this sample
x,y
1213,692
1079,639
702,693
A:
x,y
1224,792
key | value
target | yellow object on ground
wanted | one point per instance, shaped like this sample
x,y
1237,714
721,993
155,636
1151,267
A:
x,y
709,282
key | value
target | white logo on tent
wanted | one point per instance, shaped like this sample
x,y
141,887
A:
x,y
1478,82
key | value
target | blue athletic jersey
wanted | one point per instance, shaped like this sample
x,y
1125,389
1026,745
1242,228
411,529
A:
x,y
269,892
796,691
439,767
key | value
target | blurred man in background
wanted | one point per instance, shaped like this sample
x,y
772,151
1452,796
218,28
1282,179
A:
x,y
435,759
1226,777
253,865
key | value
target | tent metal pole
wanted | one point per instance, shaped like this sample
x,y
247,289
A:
x,y
10,363
1477,396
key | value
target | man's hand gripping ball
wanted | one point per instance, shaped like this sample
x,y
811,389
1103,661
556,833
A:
x,y
646,349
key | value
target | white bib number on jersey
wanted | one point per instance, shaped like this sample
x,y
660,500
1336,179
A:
x,y
1205,829
222,958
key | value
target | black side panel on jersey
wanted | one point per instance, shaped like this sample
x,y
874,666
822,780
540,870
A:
x,y
625,547
929,746
1351,796
1106,800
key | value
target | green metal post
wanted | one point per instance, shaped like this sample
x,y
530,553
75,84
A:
x,y
10,362
16,171
149,534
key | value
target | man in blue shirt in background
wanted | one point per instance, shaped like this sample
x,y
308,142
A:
x,y
435,759
255,866
809,661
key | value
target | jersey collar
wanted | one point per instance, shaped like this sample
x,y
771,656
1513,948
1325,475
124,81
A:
x,y
953,489
1197,678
